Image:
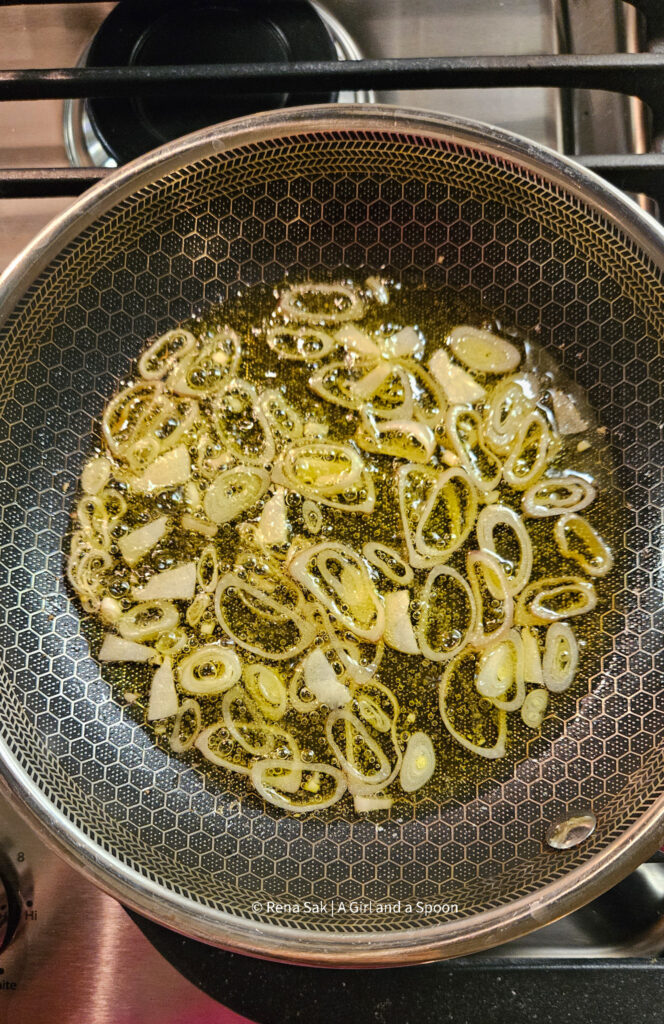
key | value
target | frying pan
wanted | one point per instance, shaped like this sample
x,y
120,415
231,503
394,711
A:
x,y
520,233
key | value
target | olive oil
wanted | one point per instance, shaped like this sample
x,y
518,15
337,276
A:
x,y
413,680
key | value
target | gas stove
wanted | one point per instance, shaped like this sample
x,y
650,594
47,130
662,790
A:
x,y
69,952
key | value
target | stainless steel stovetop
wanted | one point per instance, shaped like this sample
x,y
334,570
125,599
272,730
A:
x,y
71,953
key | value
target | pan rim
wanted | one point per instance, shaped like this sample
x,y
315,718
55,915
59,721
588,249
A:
x,y
280,942
306,947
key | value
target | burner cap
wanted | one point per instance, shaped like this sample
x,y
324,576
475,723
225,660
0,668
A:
x,y
152,32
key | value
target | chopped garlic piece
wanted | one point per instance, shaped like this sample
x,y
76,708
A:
x,y
357,340
312,785
315,429
95,475
398,628
532,659
583,446
199,525
110,609
177,584
568,418
273,523
368,385
381,802
116,648
406,343
168,470
163,696
321,679
458,385
192,495
378,289
136,544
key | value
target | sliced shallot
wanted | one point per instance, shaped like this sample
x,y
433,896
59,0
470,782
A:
x,y
561,657
493,517
338,302
483,351
554,495
554,598
447,705
419,762
578,539
534,708
208,670
448,614
494,604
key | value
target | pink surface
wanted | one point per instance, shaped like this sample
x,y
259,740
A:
x,y
222,1016
198,1015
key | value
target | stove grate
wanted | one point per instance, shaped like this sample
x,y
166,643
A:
x,y
638,74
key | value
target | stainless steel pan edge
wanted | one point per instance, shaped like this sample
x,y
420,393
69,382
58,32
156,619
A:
x,y
304,948
588,186
130,887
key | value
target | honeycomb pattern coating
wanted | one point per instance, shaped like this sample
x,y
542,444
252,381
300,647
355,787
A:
x,y
427,212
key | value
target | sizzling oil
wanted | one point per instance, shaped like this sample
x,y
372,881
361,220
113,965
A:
x,y
413,680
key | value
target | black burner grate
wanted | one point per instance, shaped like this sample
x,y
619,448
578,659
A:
x,y
640,75
596,990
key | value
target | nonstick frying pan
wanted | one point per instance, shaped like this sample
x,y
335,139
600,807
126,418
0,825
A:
x,y
519,232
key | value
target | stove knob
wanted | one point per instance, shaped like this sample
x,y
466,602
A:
x,y
10,911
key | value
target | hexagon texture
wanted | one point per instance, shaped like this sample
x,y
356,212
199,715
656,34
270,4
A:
x,y
444,215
